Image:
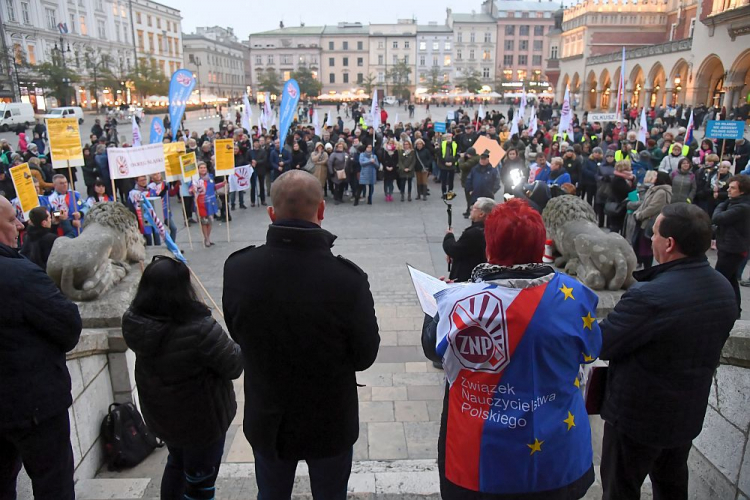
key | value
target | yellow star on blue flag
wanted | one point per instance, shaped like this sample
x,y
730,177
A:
x,y
588,321
571,421
587,358
568,291
535,446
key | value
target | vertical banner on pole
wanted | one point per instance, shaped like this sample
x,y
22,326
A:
x,y
180,88
289,101
157,130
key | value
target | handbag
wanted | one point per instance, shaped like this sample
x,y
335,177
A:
x,y
341,174
309,166
615,209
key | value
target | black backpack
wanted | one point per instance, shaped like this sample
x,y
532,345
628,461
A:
x,y
125,437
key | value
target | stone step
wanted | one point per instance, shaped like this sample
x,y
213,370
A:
x,y
370,480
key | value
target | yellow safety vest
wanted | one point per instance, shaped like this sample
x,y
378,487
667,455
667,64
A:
x,y
565,137
685,150
443,144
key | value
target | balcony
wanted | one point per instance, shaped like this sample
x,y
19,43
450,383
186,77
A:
x,y
646,51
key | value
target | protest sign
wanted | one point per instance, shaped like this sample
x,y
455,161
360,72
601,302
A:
x,y
725,129
172,151
439,127
240,179
484,143
601,117
189,166
23,183
224,151
65,142
126,163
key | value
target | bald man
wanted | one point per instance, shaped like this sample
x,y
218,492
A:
x,y
306,322
39,325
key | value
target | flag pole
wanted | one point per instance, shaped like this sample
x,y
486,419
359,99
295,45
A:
x,y
226,204
187,224
75,205
195,276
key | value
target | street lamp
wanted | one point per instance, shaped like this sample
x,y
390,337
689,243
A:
x,y
197,75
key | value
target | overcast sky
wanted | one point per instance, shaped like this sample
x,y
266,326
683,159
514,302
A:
x,y
262,15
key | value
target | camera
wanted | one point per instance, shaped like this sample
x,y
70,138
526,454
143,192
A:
x,y
56,214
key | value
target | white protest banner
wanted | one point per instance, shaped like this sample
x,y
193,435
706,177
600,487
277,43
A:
x,y
240,180
126,163
601,117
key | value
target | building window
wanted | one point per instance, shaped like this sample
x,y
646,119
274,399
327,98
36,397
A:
x,y
285,59
381,44
381,77
523,30
360,61
472,37
158,22
485,72
538,45
536,60
523,60
345,45
538,30
524,14
269,60
151,46
51,21
330,45
72,26
140,41
11,7
488,37
471,55
521,74
331,78
486,55
360,78
422,45
346,77
380,60
360,46
395,59
99,5
82,24
332,61
406,59
523,45
148,21
162,45
395,44
421,60
459,55
30,49
345,61
510,29
553,52
258,59
138,17
117,31
434,61
447,61
460,37
407,44
508,60
692,27
25,16
447,46
509,45
435,45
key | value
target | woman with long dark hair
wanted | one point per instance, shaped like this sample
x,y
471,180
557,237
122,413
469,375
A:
x,y
184,367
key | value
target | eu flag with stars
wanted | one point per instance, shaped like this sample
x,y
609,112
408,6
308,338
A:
x,y
517,421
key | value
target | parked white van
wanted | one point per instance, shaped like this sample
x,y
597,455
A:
x,y
13,114
66,112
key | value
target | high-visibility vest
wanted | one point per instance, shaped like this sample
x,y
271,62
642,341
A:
x,y
685,150
565,137
619,156
443,144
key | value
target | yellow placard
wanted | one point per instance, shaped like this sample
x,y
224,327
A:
x,y
64,140
172,166
189,166
25,190
224,151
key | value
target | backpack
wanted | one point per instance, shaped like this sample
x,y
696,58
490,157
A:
x,y
126,439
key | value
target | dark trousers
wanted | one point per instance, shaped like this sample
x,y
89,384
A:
x,y
404,183
44,450
328,476
338,191
191,472
233,198
188,201
446,180
588,193
728,264
626,463
261,182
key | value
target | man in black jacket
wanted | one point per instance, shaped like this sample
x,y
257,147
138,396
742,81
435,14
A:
x,y
732,218
39,238
39,325
662,353
468,251
306,323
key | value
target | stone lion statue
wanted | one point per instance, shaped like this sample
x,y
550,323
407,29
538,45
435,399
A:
x,y
600,260
87,266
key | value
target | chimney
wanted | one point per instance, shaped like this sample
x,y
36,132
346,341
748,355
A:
x,y
281,24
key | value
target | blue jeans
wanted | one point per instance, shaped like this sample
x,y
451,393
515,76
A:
x,y
388,186
233,197
191,472
328,476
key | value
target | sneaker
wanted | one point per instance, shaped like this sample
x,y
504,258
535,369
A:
x,y
243,207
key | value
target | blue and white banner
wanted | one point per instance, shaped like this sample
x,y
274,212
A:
x,y
157,130
153,220
247,115
725,129
180,90
289,101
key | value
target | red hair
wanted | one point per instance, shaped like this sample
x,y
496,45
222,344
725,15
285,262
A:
x,y
515,234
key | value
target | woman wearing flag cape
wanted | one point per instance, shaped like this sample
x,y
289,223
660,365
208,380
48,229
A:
x,y
203,187
514,423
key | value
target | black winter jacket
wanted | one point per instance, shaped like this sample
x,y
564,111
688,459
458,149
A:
x,y
663,351
306,322
38,325
732,217
184,374
467,252
38,245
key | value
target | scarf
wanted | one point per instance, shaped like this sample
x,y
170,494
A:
x,y
518,271
628,176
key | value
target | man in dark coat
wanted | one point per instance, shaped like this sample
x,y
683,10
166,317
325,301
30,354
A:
x,y
39,238
39,325
662,353
306,323
732,219
483,180
468,251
